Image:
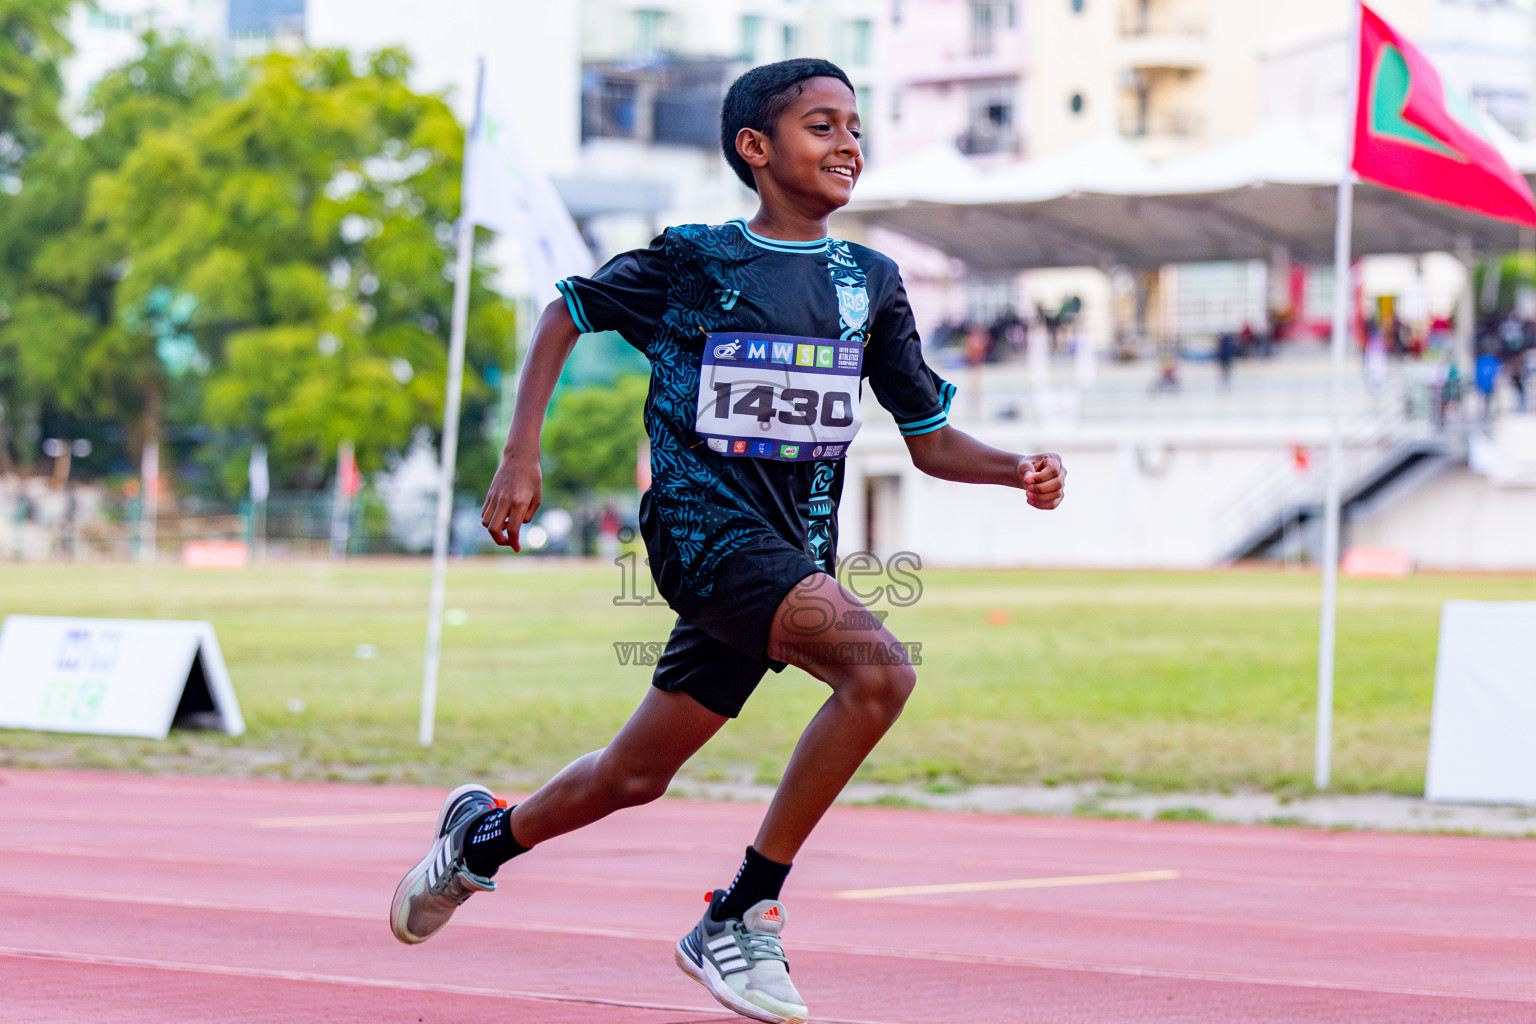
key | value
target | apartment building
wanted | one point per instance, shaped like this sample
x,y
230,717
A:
x,y
1034,77
654,73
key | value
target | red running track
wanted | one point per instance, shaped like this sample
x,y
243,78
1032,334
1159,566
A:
x,y
131,899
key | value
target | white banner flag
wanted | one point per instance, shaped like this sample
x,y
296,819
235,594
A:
x,y
261,481
507,192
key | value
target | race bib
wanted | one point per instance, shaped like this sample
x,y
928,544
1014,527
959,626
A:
x,y
770,396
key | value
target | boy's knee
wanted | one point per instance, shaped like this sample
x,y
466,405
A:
x,y
626,787
882,690
902,681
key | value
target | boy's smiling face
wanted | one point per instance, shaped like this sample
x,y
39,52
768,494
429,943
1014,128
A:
x,y
813,158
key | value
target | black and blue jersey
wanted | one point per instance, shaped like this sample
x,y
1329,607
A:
x,y
696,284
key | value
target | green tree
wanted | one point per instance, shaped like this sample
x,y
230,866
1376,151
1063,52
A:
x,y
308,224
63,349
32,43
267,250
593,436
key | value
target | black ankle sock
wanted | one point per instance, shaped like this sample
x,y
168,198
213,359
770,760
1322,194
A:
x,y
490,843
758,879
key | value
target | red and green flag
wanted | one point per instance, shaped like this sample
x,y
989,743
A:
x,y
1413,135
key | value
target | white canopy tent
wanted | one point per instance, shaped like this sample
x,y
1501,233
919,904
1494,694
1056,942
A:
x,y
1102,205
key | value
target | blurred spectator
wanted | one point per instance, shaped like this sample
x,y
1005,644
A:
x,y
1226,351
1007,337
1514,369
1451,393
1375,360
1440,334
608,533
1245,341
1486,375
977,345
1167,368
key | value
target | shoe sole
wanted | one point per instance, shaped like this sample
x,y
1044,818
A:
x,y
726,996
397,904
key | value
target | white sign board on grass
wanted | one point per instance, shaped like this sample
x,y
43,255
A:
x,y
123,677
1482,734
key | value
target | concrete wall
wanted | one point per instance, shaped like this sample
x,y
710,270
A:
x,y
1140,495
1458,520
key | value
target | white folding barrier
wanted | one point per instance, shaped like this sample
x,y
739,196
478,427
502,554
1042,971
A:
x,y
1482,736
126,677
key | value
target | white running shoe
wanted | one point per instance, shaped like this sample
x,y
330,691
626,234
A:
x,y
742,962
432,890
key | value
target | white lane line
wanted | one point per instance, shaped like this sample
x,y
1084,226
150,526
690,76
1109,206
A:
x,y
327,820
1012,883
1351,884
268,974
924,955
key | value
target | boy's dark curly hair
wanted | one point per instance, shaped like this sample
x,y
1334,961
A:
x,y
758,98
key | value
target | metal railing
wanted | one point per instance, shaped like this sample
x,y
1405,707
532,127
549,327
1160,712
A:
x,y
85,523
984,395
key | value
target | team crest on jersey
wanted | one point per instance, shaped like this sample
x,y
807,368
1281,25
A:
x,y
853,305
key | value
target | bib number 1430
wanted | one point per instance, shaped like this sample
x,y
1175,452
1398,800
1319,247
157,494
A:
x,y
806,407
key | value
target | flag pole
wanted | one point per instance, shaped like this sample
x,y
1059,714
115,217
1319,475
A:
x,y
1343,296
462,270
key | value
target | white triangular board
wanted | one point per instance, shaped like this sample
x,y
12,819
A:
x,y
1482,732
119,677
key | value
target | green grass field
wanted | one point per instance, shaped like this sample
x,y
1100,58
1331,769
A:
x,y
1152,680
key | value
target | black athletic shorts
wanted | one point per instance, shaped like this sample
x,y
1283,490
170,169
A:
x,y
719,655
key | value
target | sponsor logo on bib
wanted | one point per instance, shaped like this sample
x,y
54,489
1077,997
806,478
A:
x,y
718,444
727,351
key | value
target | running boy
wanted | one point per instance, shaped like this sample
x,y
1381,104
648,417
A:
x,y
759,335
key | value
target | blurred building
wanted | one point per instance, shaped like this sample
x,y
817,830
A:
x,y
1034,77
108,34
653,74
256,26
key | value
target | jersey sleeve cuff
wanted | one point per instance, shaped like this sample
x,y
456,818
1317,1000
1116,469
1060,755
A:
x,y
946,392
573,303
928,424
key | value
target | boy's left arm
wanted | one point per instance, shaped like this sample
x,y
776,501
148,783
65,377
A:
x,y
951,454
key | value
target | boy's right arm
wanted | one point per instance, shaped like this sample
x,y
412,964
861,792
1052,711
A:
x,y
518,484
